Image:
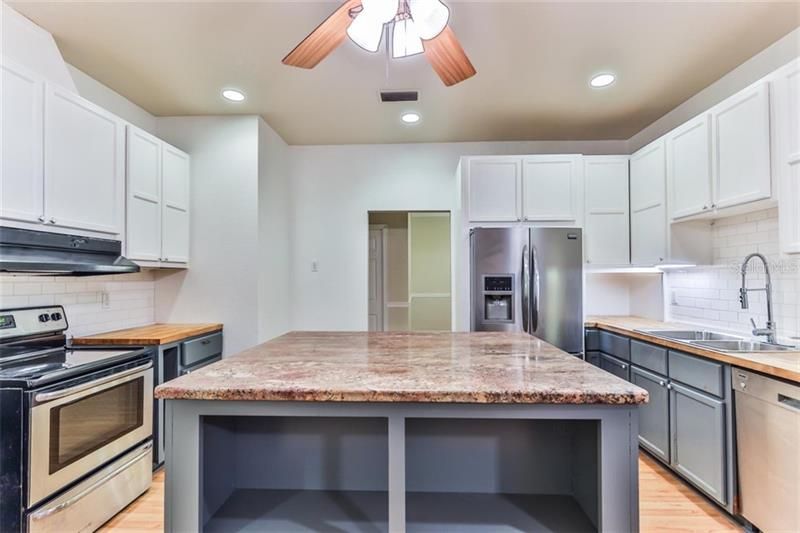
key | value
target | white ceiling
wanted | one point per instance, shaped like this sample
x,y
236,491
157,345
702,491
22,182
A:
x,y
534,60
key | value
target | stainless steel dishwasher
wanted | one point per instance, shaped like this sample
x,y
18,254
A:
x,y
768,440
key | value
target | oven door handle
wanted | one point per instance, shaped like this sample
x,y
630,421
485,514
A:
x,y
48,396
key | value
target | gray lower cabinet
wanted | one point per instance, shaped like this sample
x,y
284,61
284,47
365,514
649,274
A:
x,y
654,427
618,367
593,358
697,448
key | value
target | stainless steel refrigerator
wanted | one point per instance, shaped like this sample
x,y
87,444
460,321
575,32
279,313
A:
x,y
531,280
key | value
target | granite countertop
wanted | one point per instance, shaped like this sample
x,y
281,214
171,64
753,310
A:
x,y
484,368
152,335
784,365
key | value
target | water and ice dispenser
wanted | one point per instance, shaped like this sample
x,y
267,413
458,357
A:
x,y
498,298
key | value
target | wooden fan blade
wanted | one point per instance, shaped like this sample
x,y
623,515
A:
x,y
448,58
324,39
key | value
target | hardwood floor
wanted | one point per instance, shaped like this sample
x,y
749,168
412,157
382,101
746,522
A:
x,y
666,504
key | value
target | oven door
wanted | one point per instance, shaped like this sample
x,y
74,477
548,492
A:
x,y
80,428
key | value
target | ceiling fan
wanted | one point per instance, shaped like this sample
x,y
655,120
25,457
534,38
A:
x,y
416,26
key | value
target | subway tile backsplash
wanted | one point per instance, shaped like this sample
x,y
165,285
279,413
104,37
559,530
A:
x,y
93,304
710,295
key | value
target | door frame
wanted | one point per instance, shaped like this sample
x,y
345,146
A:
x,y
383,319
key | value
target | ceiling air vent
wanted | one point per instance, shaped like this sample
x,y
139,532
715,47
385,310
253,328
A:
x,y
399,96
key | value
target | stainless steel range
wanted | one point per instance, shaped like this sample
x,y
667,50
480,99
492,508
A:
x,y
75,425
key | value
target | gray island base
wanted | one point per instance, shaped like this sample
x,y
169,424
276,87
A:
x,y
401,432
368,467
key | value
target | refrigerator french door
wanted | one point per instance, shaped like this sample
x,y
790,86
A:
x,y
531,280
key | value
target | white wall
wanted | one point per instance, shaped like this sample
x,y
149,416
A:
x,y
129,296
31,46
778,54
221,284
333,189
275,234
709,295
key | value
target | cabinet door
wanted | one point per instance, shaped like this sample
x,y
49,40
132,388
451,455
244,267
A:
x,y
551,188
175,212
654,415
741,148
144,196
607,232
616,366
697,426
84,164
494,189
648,205
689,168
21,150
787,143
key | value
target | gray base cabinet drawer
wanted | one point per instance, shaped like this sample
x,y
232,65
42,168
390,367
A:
x,y
702,374
201,348
654,415
592,340
649,356
698,440
616,366
615,345
593,358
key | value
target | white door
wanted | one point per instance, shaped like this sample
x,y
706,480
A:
x,y
21,150
144,196
493,189
787,144
375,275
606,234
741,148
648,209
551,188
84,164
176,170
689,168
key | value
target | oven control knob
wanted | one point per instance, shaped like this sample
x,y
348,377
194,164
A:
x,y
44,317
55,316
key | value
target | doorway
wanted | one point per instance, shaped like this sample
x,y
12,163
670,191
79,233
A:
x,y
409,272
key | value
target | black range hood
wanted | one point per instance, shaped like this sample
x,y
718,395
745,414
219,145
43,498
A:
x,y
55,254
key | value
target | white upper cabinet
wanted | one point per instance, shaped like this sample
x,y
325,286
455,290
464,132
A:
x,y
175,210
741,147
84,164
158,200
21,150
493,189
606,234
787,157
144,196
648,205
689,168
551,188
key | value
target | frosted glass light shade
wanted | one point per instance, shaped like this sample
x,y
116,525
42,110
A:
x,y
405,39
381,10
430,17
366,32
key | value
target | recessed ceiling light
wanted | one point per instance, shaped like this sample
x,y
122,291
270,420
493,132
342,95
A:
x,y
602,80
233,95
410,118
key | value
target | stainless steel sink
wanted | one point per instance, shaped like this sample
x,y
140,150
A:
x,y
740,346
690,335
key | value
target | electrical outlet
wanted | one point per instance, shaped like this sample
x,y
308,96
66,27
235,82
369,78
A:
x,y
105,300
315,266
674,297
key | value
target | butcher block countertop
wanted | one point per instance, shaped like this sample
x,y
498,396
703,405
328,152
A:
x,y
152,335
478,368
784,365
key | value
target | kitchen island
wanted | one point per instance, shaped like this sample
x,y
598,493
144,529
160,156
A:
x,y
401,432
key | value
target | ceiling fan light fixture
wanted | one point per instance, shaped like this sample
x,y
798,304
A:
x,y
366,31
430,17
405,39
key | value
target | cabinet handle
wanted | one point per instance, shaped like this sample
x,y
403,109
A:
x,y
52,221
705,207
714,205
206,341
41,218
624,367
669,386
661,383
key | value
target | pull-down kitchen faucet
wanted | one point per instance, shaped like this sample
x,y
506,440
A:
x,y
769,331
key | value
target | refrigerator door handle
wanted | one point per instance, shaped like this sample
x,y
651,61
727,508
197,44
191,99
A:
x,y
526,286
534,322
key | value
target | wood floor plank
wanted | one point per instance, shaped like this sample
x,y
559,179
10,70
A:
x,y
666,504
